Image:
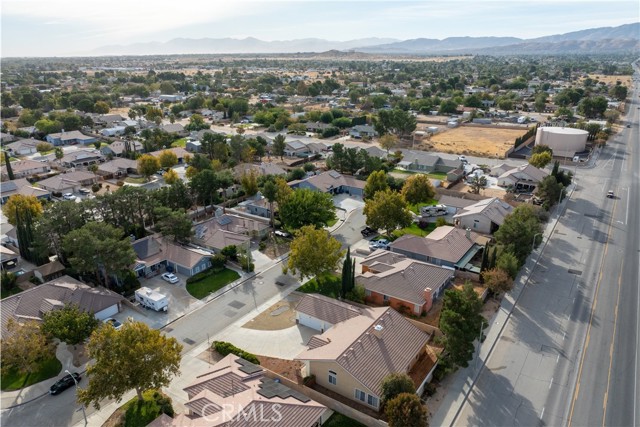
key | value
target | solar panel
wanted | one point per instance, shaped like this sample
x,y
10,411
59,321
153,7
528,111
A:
x,y
270,388
248,367
224,220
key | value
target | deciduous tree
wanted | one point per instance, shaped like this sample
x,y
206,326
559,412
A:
x,y
406,410
517,231
24,346
477,183
167,159
306,207
313,252
69,324
418,189
148,165
388,211
388,141
133,357
540,160
497,280
249,182
171,177
19,204
377,181
395,384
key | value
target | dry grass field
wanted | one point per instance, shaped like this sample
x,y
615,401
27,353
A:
x,y
611,80
474,141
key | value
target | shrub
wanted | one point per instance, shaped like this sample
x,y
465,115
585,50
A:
x,y
208,272
225,348
95,188
231,252
246,263
262,246
120,183
218,261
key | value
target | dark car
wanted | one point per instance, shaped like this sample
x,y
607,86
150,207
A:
x,y
367,231
64,383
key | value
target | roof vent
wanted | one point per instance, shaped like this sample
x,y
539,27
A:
x,y
377,331
468,233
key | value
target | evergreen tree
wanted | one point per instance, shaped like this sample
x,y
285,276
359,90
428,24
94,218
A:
x,y
485,258
346,274
556,168
9,170
492,259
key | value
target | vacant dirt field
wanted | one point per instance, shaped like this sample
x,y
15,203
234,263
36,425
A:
x,y
474,141
611,80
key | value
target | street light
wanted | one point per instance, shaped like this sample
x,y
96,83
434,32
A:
x,y
76,382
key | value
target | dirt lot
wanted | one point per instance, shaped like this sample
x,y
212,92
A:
x,y
281,315
473,141
287,368
611,80
489,192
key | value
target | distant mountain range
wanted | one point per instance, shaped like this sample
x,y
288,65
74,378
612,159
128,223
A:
x,y
625,38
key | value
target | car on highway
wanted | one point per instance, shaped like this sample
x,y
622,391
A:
x,y
367,231
170,277
610,194
113,322
68,196
64,383
281,233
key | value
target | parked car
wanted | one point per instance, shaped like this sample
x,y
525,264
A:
x,y
610,194
113,322
281,233
463,159
68,196
84,191
379,244
64,383
170,277
367,231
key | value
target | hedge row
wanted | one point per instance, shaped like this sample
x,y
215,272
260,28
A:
x,y
225,348
199,276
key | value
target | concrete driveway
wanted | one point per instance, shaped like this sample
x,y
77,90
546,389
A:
x,y
347,202
180,303
283,343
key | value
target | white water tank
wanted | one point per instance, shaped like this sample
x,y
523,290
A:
x,y
564,141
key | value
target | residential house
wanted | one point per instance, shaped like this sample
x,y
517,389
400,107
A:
x,y
170,98
113,131
455,175
7,137
118,148
155,254
34,303
498,170
176,128
375,151
455,204
360,131
180,153
296,149
8,258
446,246
193,146
23,187
523,178
404,284
238,393
317,147
118,167
229,229
49,271
69,182
25,168
22,147
108,120
484,216
319,312
82,158
421,161
69,138
257,205
332,182
353,357
317,127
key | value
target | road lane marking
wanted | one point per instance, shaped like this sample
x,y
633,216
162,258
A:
x,y
593,309
613,340
550,383
542,413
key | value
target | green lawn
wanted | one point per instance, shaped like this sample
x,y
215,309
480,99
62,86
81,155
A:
x,y
13,380
339,420
415,230
332,222
140,180
182,142
211,283
328,285
140,414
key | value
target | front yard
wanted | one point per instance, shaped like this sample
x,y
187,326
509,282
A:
x,y
211,283
328,285
14,380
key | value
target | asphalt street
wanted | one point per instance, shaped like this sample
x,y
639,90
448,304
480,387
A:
x,y
568,355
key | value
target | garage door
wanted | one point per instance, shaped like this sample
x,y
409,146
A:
x,y
107,312
311,322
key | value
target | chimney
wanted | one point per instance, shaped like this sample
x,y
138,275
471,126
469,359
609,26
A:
x,y
377,331
468,233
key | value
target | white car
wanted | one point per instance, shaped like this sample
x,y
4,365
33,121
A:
x,y
171,278
281,233
68,196
113,322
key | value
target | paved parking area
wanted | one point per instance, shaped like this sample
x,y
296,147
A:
x,y
180,303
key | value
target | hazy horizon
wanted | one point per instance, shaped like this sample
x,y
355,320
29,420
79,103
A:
x,y
74,27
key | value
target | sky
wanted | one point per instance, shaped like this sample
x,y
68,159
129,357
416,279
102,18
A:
x,y
76,27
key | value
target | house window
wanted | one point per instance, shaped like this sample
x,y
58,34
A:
x,y
333,378
385,297
361,395
367,292
372,401
197,269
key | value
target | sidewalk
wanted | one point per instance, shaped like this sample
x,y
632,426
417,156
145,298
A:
x,y
463,380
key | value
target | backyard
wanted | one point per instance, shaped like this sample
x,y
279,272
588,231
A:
x,y
211,283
